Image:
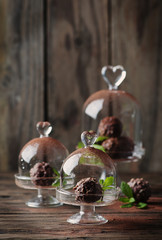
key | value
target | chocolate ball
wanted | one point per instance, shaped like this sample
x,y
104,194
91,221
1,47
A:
x,y
141,189
88,190
41,174
110,127
121,147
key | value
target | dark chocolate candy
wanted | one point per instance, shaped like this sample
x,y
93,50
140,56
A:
x,y
88,190
42,174
141,189
121,147
110,127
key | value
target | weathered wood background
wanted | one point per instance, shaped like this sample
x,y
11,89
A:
x,y
51,54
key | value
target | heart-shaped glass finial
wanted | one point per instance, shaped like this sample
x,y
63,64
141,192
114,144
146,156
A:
x,y
88,138
44,128
113,76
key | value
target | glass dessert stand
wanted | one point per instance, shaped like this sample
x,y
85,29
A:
x,y
87,214
116,116
91,182
44,198
39,163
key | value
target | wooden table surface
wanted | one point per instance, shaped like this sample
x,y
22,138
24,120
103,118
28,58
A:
x,y
17,221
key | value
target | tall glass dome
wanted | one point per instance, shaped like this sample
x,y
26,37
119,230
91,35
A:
x,y
116,116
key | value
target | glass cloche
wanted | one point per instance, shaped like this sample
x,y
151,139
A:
x,y
39,166
115,115
88,179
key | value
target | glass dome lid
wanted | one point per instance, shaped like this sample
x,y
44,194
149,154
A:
x,y
116,116
42,149
39,164
88,178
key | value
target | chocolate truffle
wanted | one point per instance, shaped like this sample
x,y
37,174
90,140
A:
x,y
88,190
121,147
141,189
42,174
110,127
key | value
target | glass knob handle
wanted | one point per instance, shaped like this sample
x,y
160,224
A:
x,y
44,128
113,75
88,138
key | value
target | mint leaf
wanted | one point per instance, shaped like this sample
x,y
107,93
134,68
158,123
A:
x,y
101,139
141,205
80,145
56,183
101,181
126,189
131,200
56,172
109,181
122,199
128,200
128,205
97,146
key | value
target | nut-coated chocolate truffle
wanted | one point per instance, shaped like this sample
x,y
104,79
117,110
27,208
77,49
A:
x,y
88,190
119,147
41,174
110,127
141,189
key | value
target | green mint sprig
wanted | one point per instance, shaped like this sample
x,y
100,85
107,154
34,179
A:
x,y
56,183
80,145
56,172
107,183
129,200
97,144
101,139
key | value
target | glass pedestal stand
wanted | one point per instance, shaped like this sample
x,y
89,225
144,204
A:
x,y
87,216
43,199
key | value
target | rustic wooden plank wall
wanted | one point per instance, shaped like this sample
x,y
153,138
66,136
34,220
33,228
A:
x,y
136,41
21,76
77,49
51,54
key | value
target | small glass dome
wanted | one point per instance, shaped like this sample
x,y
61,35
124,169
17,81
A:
x,y
42,149
116,116
88,178
39,164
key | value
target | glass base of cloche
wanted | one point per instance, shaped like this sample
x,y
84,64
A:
x,y
87,214
134,156
43,198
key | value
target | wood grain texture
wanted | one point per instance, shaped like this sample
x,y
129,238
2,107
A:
x,y
21,76
51,55
77,49
136,42
17,221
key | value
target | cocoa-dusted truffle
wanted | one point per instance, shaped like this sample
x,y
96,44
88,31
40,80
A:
x,y
119,147
141,189
41,174
110,127
88,190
